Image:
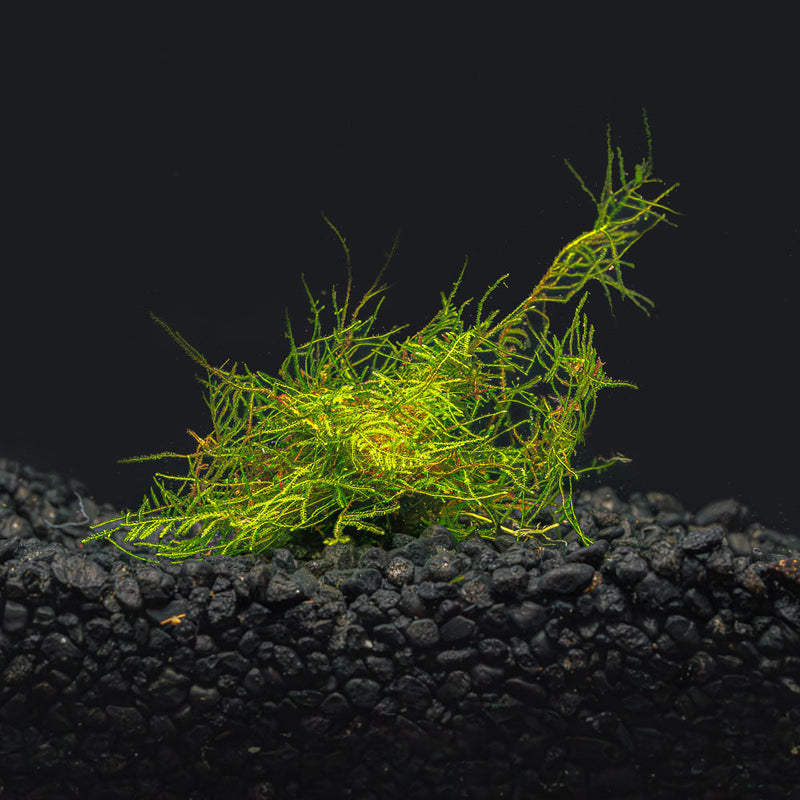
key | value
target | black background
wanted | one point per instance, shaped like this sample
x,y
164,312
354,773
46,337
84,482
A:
x,y
180,165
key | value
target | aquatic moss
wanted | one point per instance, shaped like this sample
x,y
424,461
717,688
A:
x,y
373,432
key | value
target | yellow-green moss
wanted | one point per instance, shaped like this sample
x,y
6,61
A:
x,y
366,431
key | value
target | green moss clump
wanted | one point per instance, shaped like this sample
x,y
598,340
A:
x,y
363,431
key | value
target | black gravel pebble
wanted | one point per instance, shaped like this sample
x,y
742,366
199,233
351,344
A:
x,y
661,662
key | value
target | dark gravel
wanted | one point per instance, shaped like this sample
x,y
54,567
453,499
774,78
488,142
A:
x,y
661,662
